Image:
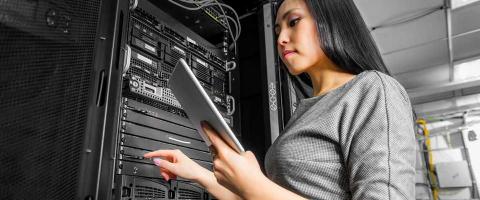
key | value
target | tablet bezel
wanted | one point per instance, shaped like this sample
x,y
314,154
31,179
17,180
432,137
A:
x,y
188,91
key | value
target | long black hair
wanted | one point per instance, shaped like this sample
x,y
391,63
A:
x,y
344,36
345,40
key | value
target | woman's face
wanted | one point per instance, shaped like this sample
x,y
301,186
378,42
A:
x,y
297,34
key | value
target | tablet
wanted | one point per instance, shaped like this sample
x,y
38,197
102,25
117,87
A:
x,y
198,105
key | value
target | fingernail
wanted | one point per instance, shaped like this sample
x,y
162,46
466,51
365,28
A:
x,y
164,175
157,161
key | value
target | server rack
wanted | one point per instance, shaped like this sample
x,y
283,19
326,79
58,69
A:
x,y
126,108
144,115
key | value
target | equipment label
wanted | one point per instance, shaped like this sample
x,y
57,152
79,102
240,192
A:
x,y
144,59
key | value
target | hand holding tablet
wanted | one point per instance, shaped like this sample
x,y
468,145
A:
x,y
198,105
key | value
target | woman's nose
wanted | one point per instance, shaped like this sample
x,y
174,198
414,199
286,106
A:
x,y
283,38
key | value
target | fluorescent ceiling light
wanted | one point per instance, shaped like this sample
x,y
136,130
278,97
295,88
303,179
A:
x,y
467,70
461,3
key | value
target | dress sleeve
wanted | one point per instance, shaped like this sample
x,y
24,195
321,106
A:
x,y
379,142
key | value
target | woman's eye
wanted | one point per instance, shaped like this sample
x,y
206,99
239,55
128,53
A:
x,y
293,22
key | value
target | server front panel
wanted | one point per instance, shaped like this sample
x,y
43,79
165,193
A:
x,y
150,116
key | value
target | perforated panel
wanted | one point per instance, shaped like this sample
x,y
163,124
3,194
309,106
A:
x,y
149,192
45,72
189,194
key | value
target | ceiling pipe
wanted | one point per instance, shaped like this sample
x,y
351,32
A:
x,y
448,14
448,106
432,41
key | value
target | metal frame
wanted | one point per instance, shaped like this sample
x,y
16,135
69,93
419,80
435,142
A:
x,y
475,191
448,15
271,83
111,26
93,159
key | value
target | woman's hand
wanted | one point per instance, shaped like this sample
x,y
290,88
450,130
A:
x,y
240,173
174,163
235,176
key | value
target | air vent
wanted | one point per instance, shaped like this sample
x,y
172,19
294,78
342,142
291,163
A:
x,y
189,194
156,104
148,192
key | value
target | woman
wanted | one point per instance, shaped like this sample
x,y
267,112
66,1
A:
x,y
354,139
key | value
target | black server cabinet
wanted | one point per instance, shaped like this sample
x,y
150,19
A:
x,y
55,64
143,114
83,94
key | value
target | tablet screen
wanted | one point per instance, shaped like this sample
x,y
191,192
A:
x,y
198,105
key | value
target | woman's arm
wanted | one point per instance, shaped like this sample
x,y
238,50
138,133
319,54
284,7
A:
x,y
175,163
241,173
379,148
268,190
235,176
209,182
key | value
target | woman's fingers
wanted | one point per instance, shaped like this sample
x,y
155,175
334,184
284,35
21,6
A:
x,y
174,163
167,175
163,163
220,166
167,169
171,155
250,155
163,174
160,153
223,180
217,142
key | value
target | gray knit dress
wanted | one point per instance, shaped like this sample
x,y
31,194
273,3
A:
x,y
354,142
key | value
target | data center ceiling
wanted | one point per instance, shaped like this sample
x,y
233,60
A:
x,y
412,36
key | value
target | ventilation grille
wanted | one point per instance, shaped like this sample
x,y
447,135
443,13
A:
x,y
199,49
168,31
151,68
164,76
219,74
144,36
156,104
45,81
135,70
163,83
145,30
217,60
149,192
218,87
167,68
202,73
206,87
189,194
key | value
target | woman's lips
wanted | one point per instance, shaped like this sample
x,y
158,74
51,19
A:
x,y
287,53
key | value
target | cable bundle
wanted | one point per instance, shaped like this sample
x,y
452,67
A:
x,y
200,4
